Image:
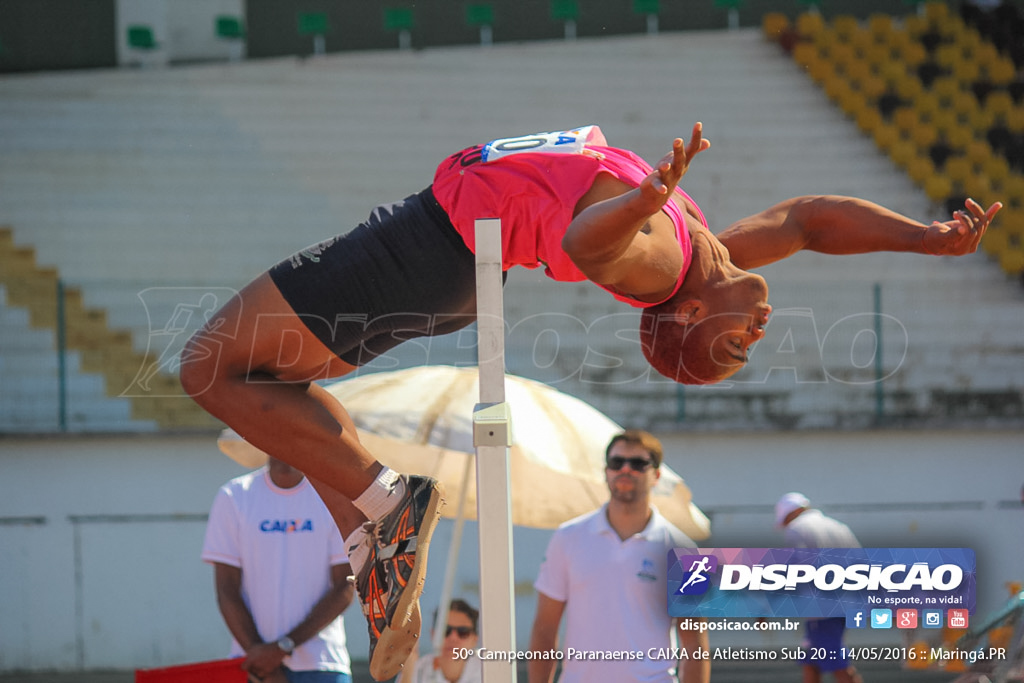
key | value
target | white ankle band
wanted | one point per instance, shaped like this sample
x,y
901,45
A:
x,y
380,497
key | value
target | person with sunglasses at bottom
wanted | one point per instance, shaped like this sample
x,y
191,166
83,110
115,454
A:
x,y
449,666
606,572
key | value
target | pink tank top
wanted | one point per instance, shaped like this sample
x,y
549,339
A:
x,y
532,183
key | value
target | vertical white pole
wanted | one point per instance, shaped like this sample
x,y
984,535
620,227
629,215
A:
x,y
441,622
491,437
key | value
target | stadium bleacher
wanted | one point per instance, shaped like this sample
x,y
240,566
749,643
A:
x,y
939,92
135,200
157,192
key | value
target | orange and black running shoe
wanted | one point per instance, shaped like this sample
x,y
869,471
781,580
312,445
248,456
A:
x,y
390,581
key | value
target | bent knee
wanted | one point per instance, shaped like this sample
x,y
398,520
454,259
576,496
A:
x,y
201,367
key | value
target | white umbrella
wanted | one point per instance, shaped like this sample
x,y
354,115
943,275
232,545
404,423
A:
x,y
420,421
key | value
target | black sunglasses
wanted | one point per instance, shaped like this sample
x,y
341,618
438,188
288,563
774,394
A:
x,y
636,464
463,631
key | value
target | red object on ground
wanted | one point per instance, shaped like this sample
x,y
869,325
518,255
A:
x,y
216,671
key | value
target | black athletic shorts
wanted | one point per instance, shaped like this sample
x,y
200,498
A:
x,y
404,273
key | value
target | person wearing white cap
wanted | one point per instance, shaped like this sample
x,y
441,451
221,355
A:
x,y
807,527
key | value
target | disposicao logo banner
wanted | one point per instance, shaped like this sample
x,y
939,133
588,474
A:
x,y
817,582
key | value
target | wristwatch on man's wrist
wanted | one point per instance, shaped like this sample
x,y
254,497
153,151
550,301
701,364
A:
x,y
286,644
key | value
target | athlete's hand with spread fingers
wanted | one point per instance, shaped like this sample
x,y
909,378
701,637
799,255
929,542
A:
x,y
659,185
962,234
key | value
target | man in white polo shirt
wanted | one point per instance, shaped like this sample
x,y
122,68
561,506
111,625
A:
x,y
606,571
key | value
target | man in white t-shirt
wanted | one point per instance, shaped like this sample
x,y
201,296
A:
x,y
807,527
281,576
606,571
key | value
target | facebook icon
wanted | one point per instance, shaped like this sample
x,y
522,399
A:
x,y
856,619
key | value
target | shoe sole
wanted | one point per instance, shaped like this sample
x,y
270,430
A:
x,y
400,636
395,646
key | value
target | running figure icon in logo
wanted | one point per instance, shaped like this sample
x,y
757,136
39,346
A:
x,y
697,575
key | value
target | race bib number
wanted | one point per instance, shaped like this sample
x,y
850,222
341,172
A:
x,y
564,142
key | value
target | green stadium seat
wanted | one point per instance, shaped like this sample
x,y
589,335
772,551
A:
x,y
141,37
398,19
565,10
402,21
481,15
733,6
650,9
229,27
646,6
315,24
312,23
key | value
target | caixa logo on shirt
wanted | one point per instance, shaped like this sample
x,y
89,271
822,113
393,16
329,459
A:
x,y
285,526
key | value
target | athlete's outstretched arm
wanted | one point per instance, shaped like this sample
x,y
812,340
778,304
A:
x,y
846,225
612,242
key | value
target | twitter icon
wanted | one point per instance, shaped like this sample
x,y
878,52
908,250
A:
x,y
881,618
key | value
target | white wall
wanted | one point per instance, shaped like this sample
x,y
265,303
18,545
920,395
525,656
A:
x,y
101,562
184,30
100,536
